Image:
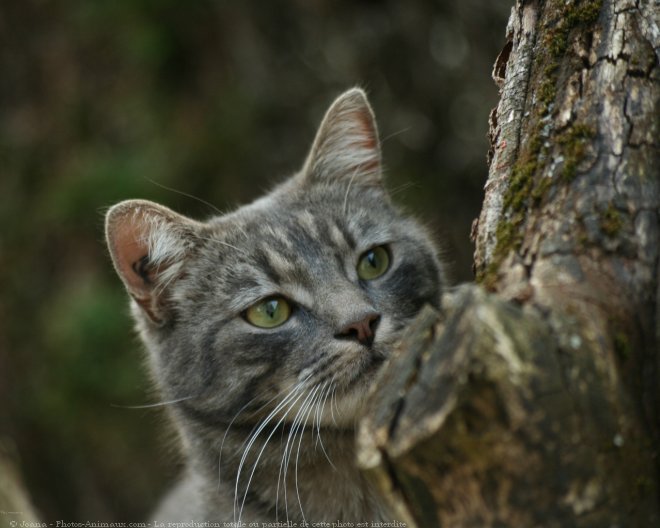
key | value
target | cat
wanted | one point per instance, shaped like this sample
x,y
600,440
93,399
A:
x,y
265,328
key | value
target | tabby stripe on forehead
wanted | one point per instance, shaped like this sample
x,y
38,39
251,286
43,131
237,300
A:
x,y
350,241
304,243
340,259
239,281
280,243
307,222
264,264
287,265
321,230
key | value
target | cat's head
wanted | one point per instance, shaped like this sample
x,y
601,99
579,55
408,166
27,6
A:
x,y
306,289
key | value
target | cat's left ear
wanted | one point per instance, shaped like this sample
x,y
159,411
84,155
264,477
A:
x,y
149,245
346,146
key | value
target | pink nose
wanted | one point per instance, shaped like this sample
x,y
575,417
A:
x,y
363,330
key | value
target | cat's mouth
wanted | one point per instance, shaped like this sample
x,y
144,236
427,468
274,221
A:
x,y
337,386
365,371
353,381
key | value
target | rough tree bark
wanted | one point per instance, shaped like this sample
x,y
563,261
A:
x,y
533,400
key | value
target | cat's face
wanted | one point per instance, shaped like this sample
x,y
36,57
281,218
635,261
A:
x,y
288,304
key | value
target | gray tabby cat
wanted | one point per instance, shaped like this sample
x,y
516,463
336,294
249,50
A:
x,y
265,328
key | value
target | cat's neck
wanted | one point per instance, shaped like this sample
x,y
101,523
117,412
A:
x,y
286,474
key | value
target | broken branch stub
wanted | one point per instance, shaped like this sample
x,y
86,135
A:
x,y
478,421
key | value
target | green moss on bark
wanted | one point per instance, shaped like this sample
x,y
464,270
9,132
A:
x,y
611,221
528,186
574,142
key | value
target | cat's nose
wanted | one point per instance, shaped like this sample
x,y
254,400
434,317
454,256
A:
x,y
362,330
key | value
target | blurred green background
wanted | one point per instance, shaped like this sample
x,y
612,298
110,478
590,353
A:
x,y
106,100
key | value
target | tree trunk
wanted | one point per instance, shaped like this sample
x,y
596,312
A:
x,y
537,404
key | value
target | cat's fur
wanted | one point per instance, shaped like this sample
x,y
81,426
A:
x,y
190,284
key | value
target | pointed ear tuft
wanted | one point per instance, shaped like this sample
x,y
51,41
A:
x,y
148,244
346,145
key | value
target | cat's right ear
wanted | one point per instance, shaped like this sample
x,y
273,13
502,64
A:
x,y
346,148
148,244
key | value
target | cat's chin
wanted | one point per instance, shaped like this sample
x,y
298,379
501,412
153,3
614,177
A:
x,y
352,406
350,400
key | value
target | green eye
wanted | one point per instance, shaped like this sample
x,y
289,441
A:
x,y
373,263
269,313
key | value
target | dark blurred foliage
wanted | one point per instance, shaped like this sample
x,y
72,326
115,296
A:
x,y
102,100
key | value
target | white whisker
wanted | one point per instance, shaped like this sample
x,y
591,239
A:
x,y
321,408
401,188
318,415
284,465
396,133
152,405
200,200
253,436
290,404
297,386
224,437
333,401
302,432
